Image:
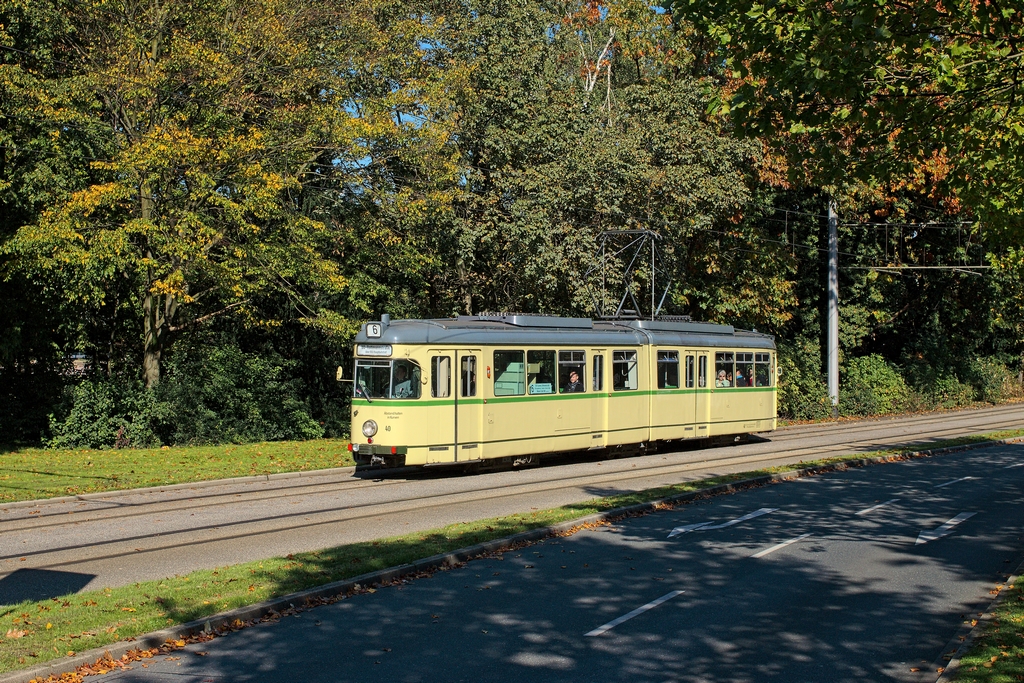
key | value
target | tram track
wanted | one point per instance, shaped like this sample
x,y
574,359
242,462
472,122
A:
x,y
725,458
396,502
560,482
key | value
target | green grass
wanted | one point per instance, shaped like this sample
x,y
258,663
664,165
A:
x,y
997,656
73,623
32,473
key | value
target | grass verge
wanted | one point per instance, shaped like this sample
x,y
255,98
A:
x,y
33,473
997,655
39,631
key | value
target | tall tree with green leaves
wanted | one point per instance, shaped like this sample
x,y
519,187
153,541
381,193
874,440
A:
x,y
209,116
569,119
905,95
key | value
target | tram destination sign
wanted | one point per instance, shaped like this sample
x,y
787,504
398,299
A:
x,y
380,350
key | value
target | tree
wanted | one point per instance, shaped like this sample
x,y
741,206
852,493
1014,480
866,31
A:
x,y
903,95
209,115
1009,313
568,119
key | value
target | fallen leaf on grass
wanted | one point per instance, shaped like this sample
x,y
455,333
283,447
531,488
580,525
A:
x,y
14,633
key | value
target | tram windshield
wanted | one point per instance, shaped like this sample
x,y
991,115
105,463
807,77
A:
x,y
387,379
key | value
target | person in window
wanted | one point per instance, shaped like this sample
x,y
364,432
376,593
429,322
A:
x,y
721,380
741,381
574,385
403,386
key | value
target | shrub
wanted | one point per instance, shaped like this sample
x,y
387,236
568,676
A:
x,y
803,393
949,392
872,386
992,380
104,413
222,394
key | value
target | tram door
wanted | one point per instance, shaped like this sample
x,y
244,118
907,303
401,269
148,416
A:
x,y
444,395
702,395
469,405
599,404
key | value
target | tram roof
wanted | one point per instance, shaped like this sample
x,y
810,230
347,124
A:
x,y
521,329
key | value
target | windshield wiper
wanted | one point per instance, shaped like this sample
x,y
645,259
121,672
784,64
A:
x,y
362,388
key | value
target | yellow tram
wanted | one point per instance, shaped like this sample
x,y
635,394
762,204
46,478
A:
x,y
510,387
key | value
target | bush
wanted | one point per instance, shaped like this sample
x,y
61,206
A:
x,y
992,380
104,413
208,395
949,392
222,394
803,393
870,385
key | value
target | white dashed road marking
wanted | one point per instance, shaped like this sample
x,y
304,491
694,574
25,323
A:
x,y
954,481
943,530
875,507
780,546
705,526
626,617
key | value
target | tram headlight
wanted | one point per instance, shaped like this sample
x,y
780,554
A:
x,y
369,428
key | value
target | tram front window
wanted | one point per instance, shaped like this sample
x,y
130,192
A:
x,y
387,379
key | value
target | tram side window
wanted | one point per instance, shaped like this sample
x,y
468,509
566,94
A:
x,y
440,376
744,370
668,369
624,370
689,372
702,374
572,367
762,370
509,373
598,373
540,372
723,369
469,375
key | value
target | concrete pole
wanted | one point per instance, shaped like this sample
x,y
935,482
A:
x,y
833,305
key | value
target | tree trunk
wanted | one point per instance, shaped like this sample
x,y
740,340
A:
x,y
153,317
467,295
152,346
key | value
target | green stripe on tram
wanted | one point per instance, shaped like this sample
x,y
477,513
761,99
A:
x,y
530,398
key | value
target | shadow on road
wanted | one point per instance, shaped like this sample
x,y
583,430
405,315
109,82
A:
x,y
858,600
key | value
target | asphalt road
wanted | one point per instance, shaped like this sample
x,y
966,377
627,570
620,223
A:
x,y
860,575
57,547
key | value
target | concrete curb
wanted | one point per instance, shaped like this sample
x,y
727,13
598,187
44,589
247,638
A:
x,y
452,559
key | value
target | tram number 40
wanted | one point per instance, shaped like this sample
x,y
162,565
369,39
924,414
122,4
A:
x,y
387,428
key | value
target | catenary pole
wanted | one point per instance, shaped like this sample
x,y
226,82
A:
x,y
833,305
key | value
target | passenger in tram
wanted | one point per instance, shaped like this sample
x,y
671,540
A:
x,y
574,385
721,380
741,381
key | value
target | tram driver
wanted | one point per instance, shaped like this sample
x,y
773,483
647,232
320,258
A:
x,y
403,385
